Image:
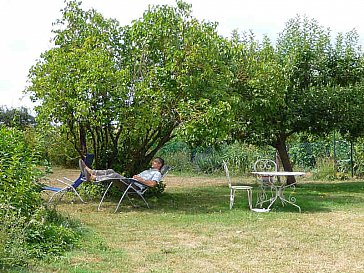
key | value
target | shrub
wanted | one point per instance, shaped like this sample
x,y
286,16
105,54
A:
x,y
178,155
157,190
28,229
324,170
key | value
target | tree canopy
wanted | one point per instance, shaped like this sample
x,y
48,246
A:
x,y
128,88
303,83
126,91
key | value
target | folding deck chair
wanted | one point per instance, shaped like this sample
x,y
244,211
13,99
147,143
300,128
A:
x,y
132,187
70,186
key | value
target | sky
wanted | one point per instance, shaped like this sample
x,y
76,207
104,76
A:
x,y
25,26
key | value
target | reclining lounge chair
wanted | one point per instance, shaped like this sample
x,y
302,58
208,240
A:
x,y
69,185
132,187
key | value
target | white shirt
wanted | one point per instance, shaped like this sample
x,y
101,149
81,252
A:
x,y
151,174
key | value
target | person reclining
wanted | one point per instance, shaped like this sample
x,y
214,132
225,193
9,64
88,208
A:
x,y
150,177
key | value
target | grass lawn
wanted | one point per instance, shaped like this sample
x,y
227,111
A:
x,y
191,229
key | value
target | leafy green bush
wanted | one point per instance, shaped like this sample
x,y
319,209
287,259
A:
x,y
52,146
324,170
18,170
178,155
157,190
208,161
306,152
28,229
240,157
359,157
91,190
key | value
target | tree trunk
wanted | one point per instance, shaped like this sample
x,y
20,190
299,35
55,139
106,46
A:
x,y
280,145
83,144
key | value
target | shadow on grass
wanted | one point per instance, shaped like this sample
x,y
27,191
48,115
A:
x,y
316,197
311,197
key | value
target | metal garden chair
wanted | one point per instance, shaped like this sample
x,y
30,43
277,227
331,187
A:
x,y
265,182
234,188
131,187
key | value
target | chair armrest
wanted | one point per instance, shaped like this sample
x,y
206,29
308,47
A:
x,y
65,183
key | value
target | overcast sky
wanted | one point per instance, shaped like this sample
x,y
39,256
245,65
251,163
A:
x,y
25,26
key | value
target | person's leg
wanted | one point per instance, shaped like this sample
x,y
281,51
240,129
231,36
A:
x,y
99,175
102,172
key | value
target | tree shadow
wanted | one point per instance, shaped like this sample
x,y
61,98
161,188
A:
x,y
318,197
311,197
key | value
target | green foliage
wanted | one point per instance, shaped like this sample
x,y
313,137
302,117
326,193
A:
x,y
18,170
177,154
324,170
23,240
28,230
129,88
359,157
303,83
55,146
16,117
208,161
93,191
157,190
49,233
240,157
127,91
306,154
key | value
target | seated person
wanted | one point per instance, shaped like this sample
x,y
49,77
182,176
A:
x,y
150,177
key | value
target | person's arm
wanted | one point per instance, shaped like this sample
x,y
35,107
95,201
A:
x,y
150,183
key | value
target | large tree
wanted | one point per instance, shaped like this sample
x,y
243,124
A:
x,y
295,85
128,88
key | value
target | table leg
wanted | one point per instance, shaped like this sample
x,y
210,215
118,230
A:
x,y
262,196
291,200
279,190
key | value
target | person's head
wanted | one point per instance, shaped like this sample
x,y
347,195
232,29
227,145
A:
x,y
158,163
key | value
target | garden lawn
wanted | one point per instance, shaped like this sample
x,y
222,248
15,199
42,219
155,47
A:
x,y
191,229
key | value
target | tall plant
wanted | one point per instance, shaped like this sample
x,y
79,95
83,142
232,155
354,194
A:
x,y
28,230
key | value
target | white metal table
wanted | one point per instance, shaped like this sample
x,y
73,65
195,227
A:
x,y
278,187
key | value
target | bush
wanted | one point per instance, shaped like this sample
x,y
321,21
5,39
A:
x,y
53,146
208,160
28,229
178,155
157,190
324,170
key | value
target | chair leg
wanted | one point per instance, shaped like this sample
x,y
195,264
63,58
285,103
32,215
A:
x,y
122,197
250,197
145,201
141,196
74,190
232,196
58,193
131,202
51,198
103,196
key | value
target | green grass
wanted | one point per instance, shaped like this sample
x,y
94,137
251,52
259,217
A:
x,y
191,229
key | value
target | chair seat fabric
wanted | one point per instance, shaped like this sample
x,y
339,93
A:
x,y
49,188
69,185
